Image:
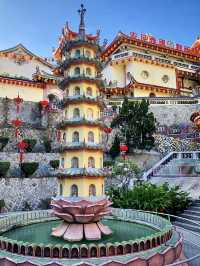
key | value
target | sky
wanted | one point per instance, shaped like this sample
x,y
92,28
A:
x,y
37,24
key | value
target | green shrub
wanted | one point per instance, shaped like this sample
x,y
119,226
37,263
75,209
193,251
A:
x,y
150,197
31,144
54,164
47,144
108,163
44,204
2,204
29,168
4,167
3,142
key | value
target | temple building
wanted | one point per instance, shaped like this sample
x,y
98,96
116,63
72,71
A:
x,y
82,150
142,66
26,74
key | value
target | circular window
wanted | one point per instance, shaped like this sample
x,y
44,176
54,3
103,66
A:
x,y
145,74
165,78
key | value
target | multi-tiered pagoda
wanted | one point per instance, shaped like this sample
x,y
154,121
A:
x,y
81,202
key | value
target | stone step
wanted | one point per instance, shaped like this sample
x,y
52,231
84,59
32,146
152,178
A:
x,y
196,204
194,208
187,226
190,222
189,212
191,217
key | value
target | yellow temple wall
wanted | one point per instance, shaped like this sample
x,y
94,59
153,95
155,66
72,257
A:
x,y
83,184
84,110
27,93
83,88
83,133
83,156
155,74
117,73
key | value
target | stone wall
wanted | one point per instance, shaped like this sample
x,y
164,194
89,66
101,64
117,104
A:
x,y
173,114
19,193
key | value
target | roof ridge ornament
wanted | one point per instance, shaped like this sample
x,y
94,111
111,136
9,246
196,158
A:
x,y
81,12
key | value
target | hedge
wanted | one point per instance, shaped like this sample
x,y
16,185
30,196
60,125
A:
x,y
29,168
54,164
4,167
4,142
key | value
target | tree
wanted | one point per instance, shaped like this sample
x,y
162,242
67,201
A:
x,y
123,173
136,124
115,149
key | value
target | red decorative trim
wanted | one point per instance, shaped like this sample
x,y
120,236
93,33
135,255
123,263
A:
x,y
18,82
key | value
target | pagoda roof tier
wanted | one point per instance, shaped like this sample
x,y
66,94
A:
x,y
80,121
80,172
149,42
80,146
86,99
81,78
81,60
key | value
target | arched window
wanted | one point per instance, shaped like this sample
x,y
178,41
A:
x,y
92,190
77,54
89,91
67,92
64,137
90,136
76,91
74,162
88,71
66,114
61,190
77,71
152,94
91,162
101,162
75,136
89,114
74,190
76,113
88,53
62,163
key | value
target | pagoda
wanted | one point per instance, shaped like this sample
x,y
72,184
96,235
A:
x,y
81,201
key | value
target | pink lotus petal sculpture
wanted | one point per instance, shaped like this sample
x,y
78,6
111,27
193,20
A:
x,y
81,217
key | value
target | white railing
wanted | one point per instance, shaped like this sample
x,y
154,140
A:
x,y
172,155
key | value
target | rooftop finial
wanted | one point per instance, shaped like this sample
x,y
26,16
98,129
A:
x,y
82,11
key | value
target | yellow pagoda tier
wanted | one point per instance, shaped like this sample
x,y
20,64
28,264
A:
x,y
81,154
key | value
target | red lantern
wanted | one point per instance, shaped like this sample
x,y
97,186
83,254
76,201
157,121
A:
x,y
107,130
44,103
18,101
22,145
17,123
123,148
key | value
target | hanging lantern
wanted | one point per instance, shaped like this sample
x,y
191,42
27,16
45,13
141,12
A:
x,y
107,130
17,123
22,145
44,103
18,101
123,148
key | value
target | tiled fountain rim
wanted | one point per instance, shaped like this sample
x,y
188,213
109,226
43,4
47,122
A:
x,y
125,247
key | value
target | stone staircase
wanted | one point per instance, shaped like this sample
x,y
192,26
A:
x,y
192,214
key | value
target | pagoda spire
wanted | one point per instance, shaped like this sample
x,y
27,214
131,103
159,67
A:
x,y
82,11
